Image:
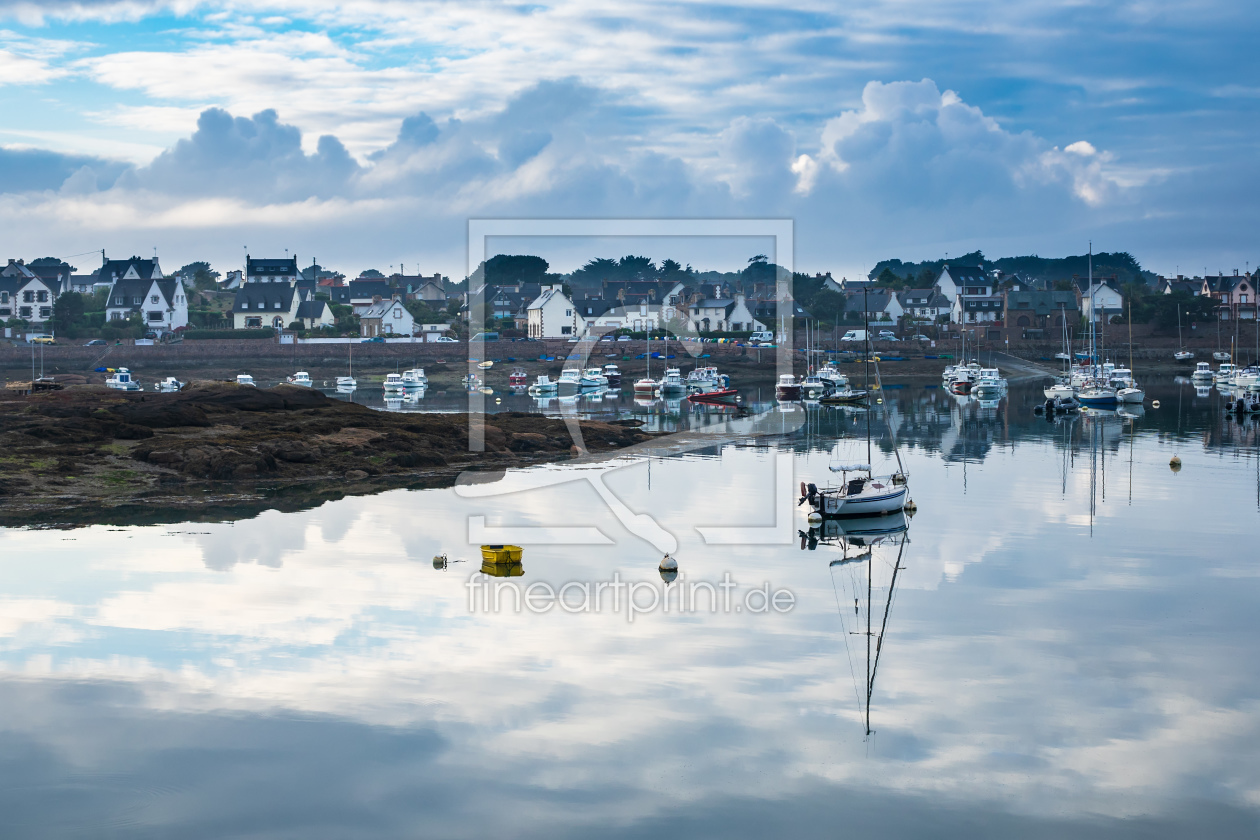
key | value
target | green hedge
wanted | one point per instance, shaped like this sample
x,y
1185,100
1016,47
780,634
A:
x,y
261,332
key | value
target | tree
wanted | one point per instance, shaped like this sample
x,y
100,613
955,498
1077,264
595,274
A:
x,y
68,310
669,268
65,267
203,277
372,274
512,269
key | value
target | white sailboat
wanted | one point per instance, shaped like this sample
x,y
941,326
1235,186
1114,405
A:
x,y
1129,392
1182,354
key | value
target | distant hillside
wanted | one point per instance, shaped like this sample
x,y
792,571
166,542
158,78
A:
x,y
1122,264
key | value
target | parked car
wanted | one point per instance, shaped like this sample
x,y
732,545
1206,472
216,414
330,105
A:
x,y
96,342
376,339
43,339
623,338
485,336
605,338
854,335
445,339
919,337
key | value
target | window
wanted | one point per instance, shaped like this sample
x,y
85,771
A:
x,y
42,297
155,316
253,322
4,297
28,297
118,301
115,316
568,313
24,312
45,312
153,299
277,304
1242,299
6,312
566,330
136,301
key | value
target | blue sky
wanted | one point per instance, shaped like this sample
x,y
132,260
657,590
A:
x,y
367,133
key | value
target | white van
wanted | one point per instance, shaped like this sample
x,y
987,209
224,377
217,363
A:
x,y
764,336
854,335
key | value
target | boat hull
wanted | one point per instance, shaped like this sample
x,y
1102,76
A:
x,y
725,397
787,393
1131,395
881,504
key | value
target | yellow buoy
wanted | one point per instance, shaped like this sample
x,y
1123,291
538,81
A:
x,y
501,554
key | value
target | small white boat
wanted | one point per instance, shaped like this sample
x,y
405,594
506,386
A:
x,y
989,384
543,386
862,496
831,375
1183,355
1061,390
570,380
1063,357
1130,394
121,380
471,382
1245,379
645,388
170,383
594,377
613,374
1221,356
415,378
702,378
812,387
1225,374
245,379
393,383
347,382
1203,372
1096,394
300,378
672,383
787,389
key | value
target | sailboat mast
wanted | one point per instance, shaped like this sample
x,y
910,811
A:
x,y
870,561
866,313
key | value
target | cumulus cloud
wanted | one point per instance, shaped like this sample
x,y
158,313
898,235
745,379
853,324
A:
x,y
32,170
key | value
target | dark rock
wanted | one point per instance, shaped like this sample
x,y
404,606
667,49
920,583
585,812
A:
x,y
356,475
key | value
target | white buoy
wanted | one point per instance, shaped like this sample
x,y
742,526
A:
x,y
440,561
1154,403
668,564
814,518
1175,463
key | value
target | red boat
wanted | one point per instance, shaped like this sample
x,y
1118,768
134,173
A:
x,y
724,397
518,378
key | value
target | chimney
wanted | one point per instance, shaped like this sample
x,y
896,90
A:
x,y
376,298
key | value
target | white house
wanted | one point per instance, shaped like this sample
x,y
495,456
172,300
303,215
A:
x,y
1100,298
137,285
923,304
964,281
639,317
28,298
259,305
431,332
552,314
386,316
970,309
315,313
728,315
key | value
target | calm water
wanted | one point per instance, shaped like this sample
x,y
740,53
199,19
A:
x,y
1069,649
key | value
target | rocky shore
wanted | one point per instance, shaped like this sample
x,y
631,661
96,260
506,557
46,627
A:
x,y
219,450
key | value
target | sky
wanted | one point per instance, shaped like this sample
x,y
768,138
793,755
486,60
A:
x,y
367,133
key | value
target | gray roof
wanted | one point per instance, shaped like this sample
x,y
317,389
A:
x,y
311,309
269,266
982,304
1042,303
254,297
366,289
381,308
968,273
922,297
113,270
133,292
593,307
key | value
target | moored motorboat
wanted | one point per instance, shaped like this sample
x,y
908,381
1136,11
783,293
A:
x,y
121,380
170,383
672,383
415,378
1061,390
543,386
1203,372
301,378
812,387
518,378
703,378
844,396
346,383
989,384
245,379
393,383
1097,395
831,375
613,374
593,377
645,388
1183,355
787,389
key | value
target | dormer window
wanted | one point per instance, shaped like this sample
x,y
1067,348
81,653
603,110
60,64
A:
x,y
277,304
153,299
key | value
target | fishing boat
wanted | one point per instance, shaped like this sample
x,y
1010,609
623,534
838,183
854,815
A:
x,y
1224,373
1202,373
812,387
543,386
301,378
703,378
245,379
170,383
415,378
1061,390
593,377
121,380
518,378
989,384
645,388
830,374
613,374
672,383
788,389
393,383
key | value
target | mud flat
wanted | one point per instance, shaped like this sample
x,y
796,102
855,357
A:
x,y
216,451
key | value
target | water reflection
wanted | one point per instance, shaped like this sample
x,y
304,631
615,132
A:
x,y
1067,649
